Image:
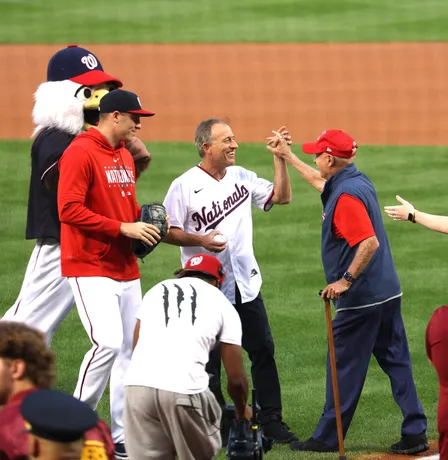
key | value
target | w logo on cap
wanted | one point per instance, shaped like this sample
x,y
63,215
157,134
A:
x,y
90,61
195,261
322,134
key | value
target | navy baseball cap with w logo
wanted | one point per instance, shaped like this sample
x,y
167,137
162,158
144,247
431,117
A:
x,y
80,66
122,101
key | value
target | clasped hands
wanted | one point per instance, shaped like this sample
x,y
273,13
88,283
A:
x,y
279,143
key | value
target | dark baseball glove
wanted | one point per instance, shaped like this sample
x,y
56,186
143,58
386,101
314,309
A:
x,y
155,214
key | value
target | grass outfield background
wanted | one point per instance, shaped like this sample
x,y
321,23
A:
x,y
287,245
156,21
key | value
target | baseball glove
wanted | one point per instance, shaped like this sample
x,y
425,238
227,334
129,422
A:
x,y
155,214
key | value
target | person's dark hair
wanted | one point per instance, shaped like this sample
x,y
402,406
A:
x,y
19,341
203,133
201,275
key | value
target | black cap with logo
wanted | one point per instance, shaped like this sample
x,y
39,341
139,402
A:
x,y
122,101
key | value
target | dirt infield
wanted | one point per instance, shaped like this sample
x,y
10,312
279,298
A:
x,y
431,454
393,93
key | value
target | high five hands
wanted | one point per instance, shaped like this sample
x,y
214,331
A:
x,y
279,143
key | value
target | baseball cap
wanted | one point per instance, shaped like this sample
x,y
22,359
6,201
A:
x,y
122,101
203,263
57,416
334,142
78,65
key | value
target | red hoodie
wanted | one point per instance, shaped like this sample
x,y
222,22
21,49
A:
x,y
14,438
96,193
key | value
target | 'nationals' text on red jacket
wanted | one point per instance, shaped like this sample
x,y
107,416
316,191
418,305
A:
x,y
96,193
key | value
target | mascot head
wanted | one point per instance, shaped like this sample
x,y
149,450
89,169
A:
x,y
70,97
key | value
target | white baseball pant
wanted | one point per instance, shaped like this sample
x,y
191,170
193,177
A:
x,y
45,298
107,309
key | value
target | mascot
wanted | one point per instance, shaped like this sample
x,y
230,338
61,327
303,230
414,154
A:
x,y
65,105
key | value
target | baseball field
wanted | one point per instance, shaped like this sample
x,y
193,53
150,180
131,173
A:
x,y
374,68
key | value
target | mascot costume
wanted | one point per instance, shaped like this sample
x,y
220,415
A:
x,y
65,105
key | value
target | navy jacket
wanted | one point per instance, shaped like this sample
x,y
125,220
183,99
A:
x,y
42,218
378,282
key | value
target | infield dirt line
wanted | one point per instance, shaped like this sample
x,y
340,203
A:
x,y
394,93
431,454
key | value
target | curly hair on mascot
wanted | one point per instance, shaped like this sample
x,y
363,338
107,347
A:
x,y
68,102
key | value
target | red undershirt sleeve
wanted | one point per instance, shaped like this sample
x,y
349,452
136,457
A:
x,y
75,175
351,220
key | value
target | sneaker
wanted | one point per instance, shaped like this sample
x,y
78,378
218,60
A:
x,y
311,445
411,444
278,431
120,452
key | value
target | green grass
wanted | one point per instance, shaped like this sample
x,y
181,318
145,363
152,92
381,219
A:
x,y
287,245
157,21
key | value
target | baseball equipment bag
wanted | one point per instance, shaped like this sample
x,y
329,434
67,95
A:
x,y
155,214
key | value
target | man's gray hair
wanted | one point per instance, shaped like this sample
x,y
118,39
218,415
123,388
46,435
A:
x,y
343,161
203,133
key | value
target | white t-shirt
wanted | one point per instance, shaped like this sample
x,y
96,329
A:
x,y
181,321
198,203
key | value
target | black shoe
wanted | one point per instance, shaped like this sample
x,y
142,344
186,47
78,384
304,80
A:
x,y
411,444
120,452
311,445
278,430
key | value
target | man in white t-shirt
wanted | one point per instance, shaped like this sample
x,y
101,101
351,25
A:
x,y
169,409
210,209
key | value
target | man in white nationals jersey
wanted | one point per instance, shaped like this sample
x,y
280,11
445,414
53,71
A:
x,y
169,408
210,208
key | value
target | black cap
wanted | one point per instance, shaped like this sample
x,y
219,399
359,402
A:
x,y
57,416
122,101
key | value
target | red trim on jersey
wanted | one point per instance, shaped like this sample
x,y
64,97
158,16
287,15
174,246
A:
x,y
268,200
91,337
351,220
48,169
206,172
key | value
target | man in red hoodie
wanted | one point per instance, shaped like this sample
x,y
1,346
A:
x,y
98,208
26,365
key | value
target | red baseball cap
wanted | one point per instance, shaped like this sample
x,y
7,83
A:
x,y
332,141
203,263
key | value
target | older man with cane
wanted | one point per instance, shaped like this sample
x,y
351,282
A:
x,y
365,289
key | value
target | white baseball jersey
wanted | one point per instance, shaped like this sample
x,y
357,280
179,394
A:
x,y
181,321
198,203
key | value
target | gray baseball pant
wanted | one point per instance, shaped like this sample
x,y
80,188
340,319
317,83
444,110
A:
x,y
161,424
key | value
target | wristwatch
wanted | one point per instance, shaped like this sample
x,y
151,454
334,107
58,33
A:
x,y
411,217
348,277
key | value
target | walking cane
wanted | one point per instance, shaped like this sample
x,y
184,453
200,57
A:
x,y
334,378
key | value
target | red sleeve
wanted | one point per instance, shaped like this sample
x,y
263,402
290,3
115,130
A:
x,y
13,437
75,177
98,442
351,220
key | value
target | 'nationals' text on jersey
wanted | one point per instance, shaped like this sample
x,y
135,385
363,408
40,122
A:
x,y
218,211
197,203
